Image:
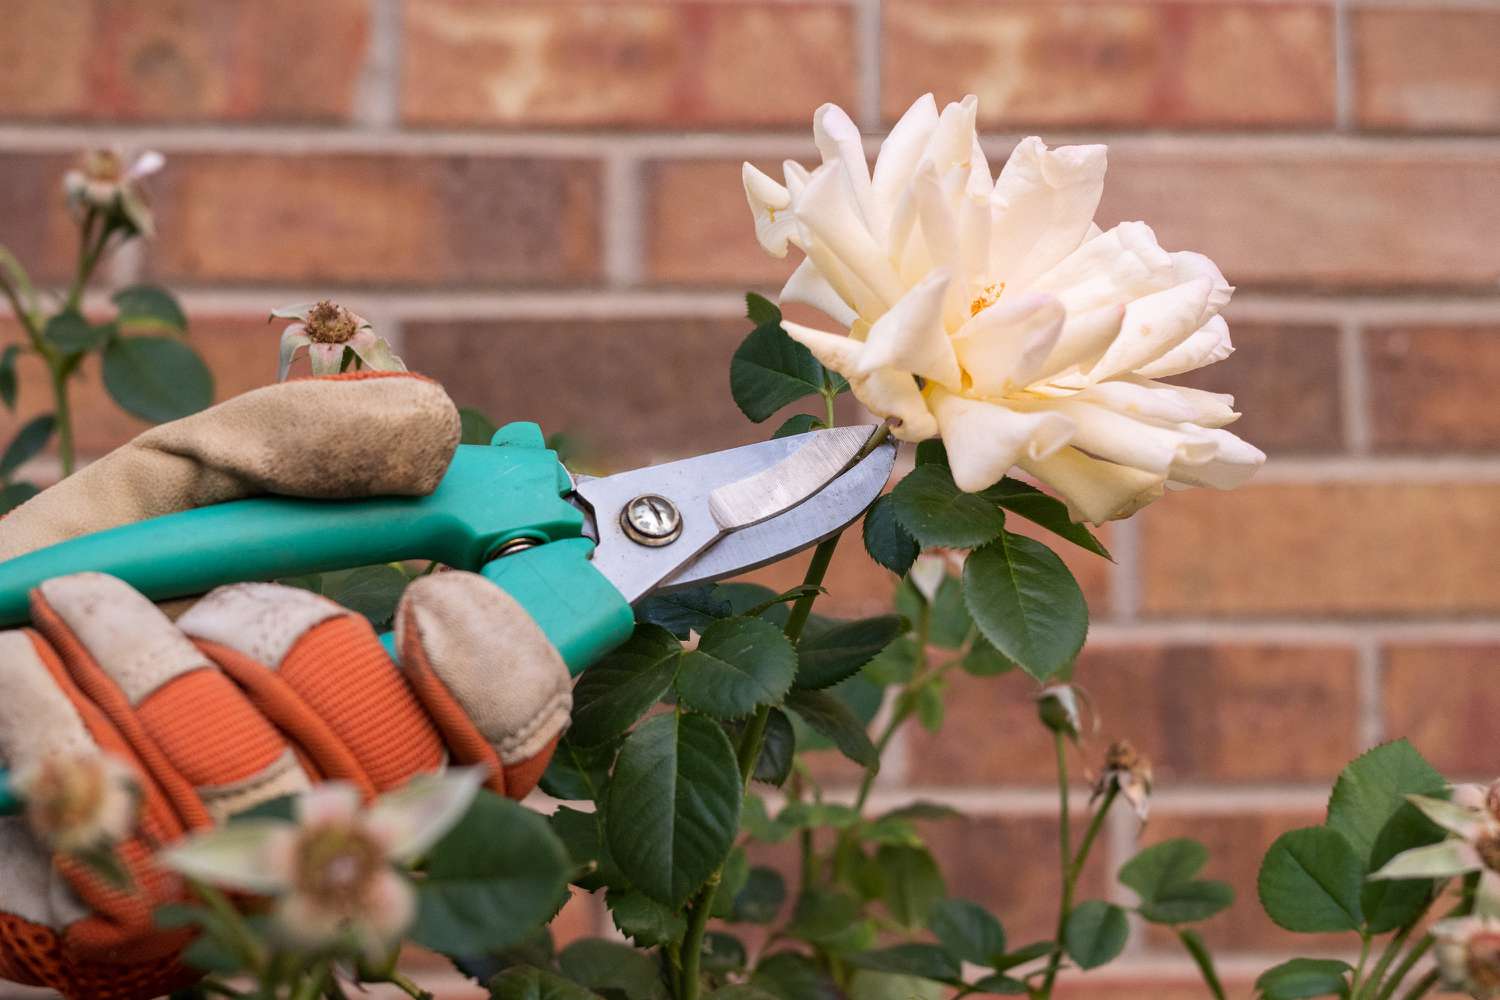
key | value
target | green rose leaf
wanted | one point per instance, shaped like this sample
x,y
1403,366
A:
x,y
156,378
1026,603
914,885
643,919
739,664
582,834
831,718
822,915
682,612
1189,902
996,984
761,897
1161,866
771,370
526,982
70,333
609,965
578,773
1095,933
1040,508
8,385
149,307
761,310
839,652
798,423
949,624
373,591
938,514
27,444
926,961
790,976
474,426
1369,807
777,750
491,881
15,495
896,664
615,692
735,873
740,991
722,953
1304,977
886,541
984,660
674,805
968,931
1310,881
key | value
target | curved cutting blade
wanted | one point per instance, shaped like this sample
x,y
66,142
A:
x,y
725,494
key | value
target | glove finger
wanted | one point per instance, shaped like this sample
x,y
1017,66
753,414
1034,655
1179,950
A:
x,y
57,916
352,435
202,741
484,669
318,671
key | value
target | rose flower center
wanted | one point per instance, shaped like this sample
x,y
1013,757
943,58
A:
x,y
67,795
336,865
329,323
1484,961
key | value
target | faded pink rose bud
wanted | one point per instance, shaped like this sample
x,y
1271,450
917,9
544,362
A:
x,y
1128,772
106,182
329,332
80,803
1468,954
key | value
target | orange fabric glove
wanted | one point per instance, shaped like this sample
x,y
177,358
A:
x,y
256,692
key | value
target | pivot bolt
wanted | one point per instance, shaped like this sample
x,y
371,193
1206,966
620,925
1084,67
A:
x,y
651,520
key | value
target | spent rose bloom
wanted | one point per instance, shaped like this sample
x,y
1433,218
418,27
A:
x,y
326,329
992,311
80,804
108,181
1127,771
1468,954
334,870
1472,818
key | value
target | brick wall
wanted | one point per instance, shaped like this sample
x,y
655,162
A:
x,y
539,201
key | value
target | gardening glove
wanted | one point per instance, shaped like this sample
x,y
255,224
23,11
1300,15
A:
x,y
256,692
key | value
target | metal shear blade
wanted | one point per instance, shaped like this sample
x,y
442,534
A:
x,y
716,515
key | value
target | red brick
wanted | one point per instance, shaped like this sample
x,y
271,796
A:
x,y
1157,64
367,219
38,229
1285,381
625,64
240,351
1337,219
1427,68
1105,983
1332,549
699,230
1221,714
1442,697
182,60
1009,865
1236,844
1433,388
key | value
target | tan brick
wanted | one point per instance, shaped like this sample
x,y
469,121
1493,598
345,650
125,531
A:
x,y
365,219
1425,68
182,60
1432,388
636,391
1009,865
1221,714
1285,380
699,230
1442,697
625,64
240,352
1159,64
1236,844
38,229
1337,548
1340,219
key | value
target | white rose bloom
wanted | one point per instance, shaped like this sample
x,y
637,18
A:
x,y
1038,340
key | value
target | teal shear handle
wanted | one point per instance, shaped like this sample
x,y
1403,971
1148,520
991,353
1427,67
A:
x,y
491,498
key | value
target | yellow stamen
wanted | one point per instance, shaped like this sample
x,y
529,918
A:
x,y
986,298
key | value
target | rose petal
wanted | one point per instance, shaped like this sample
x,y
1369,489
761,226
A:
x,y
1209,344
390,908
416,816
1113,268
1233,463
910,337
1044,203
375,352
1095,490
1154,325
1451,816
1004,347
293,338
901,151
327,359
1442,860
770,205
1124,440
233,856
810,287
832,350
888,393
985,440
1158,401
843,152
327,803
1189,266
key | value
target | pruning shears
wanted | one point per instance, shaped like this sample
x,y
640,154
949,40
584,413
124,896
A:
x,y
575,552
